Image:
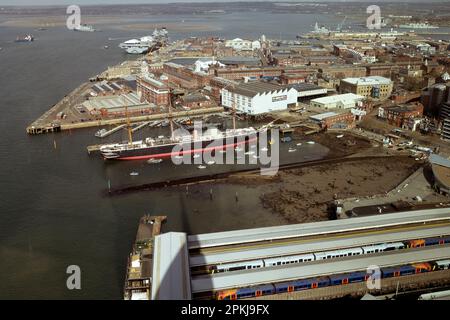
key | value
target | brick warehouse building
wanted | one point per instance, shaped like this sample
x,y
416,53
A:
x,y
400,115
153,91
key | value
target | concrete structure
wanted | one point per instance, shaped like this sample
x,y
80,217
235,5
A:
x,y
170,276
441,173
258,97
370,87
340,101
434,96
445,134
152,90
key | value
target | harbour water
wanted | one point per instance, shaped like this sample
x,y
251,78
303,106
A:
x,y
53,209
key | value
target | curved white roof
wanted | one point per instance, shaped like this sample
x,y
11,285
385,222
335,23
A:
x,y
132,41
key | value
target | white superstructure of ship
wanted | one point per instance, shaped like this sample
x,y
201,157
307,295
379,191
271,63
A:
x,y
84,28
144,44
421,25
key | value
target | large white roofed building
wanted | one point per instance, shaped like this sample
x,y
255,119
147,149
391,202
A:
x,y
258,97
340,101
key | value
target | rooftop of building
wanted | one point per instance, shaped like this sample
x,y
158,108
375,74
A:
x,y
113,102
300,87
372,80
254,88
154,82
405,107
322,116
347,97
441,169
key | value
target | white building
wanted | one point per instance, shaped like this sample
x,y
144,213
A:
x,y
258,97
340,101
239,44
204,65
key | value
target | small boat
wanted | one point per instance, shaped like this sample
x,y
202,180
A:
x,y
153,161
299,144
340,136
292,150
211,163
27,38
106,47
201,167
311,142
134,174
100,133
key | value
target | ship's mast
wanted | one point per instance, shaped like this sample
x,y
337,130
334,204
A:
x,y
170,114
130,135
234,112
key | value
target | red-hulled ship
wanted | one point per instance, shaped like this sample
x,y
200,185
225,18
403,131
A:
x,y
211,140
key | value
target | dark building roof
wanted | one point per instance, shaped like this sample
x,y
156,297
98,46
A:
x,y
251,89
304,87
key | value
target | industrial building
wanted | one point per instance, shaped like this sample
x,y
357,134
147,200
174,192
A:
x,y
340,101
400,115
334,120
152,90
370,87
308,90
441,173
239,44
117,105
258,97
433,97
445,134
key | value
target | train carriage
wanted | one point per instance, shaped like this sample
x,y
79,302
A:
x,y
348,278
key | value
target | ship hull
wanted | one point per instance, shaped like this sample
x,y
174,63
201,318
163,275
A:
x,y
169,150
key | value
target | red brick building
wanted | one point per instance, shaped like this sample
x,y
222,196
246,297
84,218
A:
x,y
400,115
153,90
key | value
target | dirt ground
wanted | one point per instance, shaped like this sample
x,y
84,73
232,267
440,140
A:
x,y
339,147
302,195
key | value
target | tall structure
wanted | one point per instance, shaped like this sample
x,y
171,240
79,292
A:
x,y
434,96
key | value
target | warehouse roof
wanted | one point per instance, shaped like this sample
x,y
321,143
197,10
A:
x,y
252,89
347,97
322,116
372,80
305,87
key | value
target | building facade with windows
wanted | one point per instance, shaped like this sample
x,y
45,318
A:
x,y
375,87
258,97
153,91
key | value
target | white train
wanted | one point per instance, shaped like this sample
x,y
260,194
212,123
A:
x,y
280,261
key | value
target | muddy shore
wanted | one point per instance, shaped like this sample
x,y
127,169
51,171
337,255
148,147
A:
x,y
302,195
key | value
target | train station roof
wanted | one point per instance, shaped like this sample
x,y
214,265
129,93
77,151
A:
x,y
171,276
